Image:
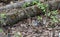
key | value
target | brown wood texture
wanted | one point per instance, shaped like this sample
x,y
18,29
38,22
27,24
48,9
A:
x,y
17,15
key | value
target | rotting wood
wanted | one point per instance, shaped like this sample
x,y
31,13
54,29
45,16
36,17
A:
x,y
15,16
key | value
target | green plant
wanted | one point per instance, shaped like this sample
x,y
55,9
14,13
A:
x,y
55,12
3,15
53,16
27,4
54,19
34,2
2,18
39,18
42,6
48,13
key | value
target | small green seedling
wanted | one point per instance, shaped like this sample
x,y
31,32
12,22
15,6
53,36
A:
x,y
3,15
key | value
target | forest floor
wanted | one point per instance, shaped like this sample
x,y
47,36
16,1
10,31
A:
x,y
31,27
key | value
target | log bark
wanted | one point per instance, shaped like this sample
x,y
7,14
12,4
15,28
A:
x,y
17,15
14,5
52,5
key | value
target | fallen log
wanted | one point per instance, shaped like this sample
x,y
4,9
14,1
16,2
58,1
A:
x,y
18,15
14,5
52,5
